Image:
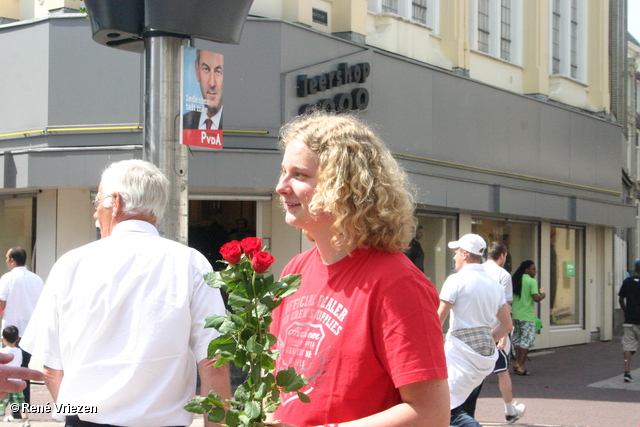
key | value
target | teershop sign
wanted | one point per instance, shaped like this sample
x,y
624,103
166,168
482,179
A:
x,y
344,75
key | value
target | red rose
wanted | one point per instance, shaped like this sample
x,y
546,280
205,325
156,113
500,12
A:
x,y
251,245
231,252
261,261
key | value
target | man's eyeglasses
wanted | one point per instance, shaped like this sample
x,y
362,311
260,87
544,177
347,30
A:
x,y
97,202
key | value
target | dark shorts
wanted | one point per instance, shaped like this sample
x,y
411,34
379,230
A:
x,y
502,362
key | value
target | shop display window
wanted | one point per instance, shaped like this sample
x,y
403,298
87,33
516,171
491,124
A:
x,y
566,281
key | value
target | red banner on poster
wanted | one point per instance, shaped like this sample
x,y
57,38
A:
x,y
209,138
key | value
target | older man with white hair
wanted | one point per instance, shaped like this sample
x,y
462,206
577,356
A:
x,y
120,325
475,301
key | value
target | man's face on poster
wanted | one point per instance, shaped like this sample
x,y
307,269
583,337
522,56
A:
x,y
210,73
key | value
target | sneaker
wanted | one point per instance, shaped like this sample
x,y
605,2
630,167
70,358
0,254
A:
x,y
627,377
519,413
25,422
10,419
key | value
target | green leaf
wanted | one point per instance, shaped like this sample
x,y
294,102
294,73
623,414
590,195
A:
x,y
303,397
214,279
214,321
232,275
240,359
261,391
222,359
216,415
242,393
268,281
269,380
195,406
293,283
238,300
228,327
237,320
253,409
254,347
263,311
289,380
271,340
214,399
222,342
272,402
232,419
267,363
244,420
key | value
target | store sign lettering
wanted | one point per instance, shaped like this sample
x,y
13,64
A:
x,y
356,99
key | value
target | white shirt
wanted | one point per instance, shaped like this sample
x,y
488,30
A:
x,y
502,276
123,317
475,296
21,289
215,119
17,355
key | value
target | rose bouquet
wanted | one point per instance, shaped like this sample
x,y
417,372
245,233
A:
x,y
245,339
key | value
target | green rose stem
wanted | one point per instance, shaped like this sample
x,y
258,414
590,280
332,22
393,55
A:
x,y
245,339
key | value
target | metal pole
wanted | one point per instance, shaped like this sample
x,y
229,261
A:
x,y
162,126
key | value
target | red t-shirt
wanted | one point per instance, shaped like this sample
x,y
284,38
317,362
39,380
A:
x,y
357,329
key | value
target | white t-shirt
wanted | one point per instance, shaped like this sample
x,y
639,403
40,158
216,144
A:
x,y
17,355
502,276
123,317
21,289
475,296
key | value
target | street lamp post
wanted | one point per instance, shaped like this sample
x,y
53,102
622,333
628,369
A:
x,y
162,126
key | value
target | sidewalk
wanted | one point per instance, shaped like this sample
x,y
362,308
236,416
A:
x,y
576,386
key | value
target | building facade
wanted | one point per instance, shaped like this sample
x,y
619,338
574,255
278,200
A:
x,y
500,111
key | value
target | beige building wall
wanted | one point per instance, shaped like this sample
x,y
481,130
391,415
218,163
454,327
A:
x,y
347,15
496,72
454,30
407,39
74,204
10,9
535,49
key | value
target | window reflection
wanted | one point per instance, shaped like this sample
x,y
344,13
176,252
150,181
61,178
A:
x,y
429,249
566,275
521,239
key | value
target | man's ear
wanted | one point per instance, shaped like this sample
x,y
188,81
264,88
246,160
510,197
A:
x,y
116,204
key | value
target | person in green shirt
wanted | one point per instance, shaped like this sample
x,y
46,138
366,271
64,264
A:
x,y
525,293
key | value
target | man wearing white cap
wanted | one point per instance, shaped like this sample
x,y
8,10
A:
x,y
475,301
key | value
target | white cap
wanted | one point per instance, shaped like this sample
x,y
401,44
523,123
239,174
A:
x,y
471,243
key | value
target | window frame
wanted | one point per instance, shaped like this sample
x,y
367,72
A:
x,y
495,30
568,42
405,10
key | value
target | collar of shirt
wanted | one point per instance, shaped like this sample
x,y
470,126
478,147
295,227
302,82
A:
x,y
215,119
132,226
473,266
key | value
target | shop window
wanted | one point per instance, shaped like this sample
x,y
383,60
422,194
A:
x,y
566,287
521,239
429,249
17,227
212,223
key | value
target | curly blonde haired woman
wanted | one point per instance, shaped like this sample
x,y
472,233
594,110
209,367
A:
x,y
363,327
